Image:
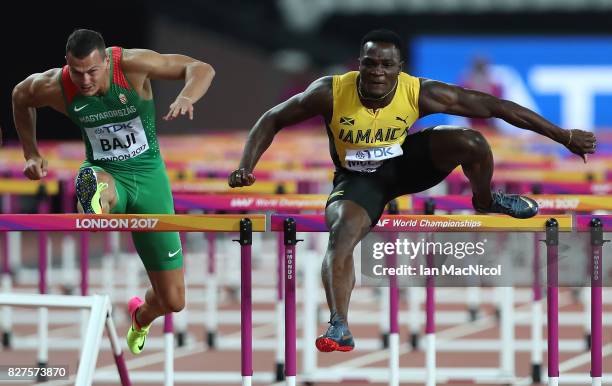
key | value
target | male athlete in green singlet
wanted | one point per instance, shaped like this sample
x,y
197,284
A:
x,y
107,93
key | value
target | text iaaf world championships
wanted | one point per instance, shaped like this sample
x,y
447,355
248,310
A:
x,y
429,223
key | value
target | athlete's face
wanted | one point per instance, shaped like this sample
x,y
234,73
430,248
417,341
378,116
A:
x,y
90,73
379,66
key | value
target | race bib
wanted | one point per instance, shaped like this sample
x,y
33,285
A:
x,y
118,141
370,159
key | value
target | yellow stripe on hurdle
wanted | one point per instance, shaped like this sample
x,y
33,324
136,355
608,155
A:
x,y
219,185
175,175
557,202
549,175
577,202
404,203
16,186
474,223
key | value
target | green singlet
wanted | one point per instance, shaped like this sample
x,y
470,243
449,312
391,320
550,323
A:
x,y
119,132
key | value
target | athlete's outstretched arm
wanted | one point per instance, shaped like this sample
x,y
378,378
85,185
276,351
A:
x,y
439,97
317,99
197,75
38,90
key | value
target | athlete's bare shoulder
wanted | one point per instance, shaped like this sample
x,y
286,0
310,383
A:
x,y
46,84
41,90
319,95
134,60
142,61
322,87
135,63
140,65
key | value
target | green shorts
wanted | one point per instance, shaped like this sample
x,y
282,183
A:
x,y
148,192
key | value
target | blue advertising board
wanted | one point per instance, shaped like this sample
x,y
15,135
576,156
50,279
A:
x,y
567,79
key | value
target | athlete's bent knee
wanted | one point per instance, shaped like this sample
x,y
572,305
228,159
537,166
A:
x,y
474,141
172,300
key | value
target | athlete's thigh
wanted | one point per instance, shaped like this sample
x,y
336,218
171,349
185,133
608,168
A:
x,y
159,251
365,190
348,223
153,194
450,146
415,171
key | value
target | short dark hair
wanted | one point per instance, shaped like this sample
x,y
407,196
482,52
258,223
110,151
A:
x,y
83,41
384,36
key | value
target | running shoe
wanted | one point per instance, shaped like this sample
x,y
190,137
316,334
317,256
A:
x,y
337,337
137,334
88,191
513,205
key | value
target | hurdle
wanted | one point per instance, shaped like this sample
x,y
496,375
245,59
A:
x,y
101,316
596,226
11,252
163,223
252,203
548,203
289,224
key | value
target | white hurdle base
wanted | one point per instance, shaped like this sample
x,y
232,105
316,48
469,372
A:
x,y
577,379
553,381
430,359
6,317
169,360
193,377
596,381
408,375
394,355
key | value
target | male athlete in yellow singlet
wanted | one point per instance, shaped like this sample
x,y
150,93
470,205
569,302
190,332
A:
x,y
368,114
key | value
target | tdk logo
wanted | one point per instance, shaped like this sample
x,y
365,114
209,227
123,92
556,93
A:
x,y
384,152
114,128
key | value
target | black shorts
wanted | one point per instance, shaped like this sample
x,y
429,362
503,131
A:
x,y
412,172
